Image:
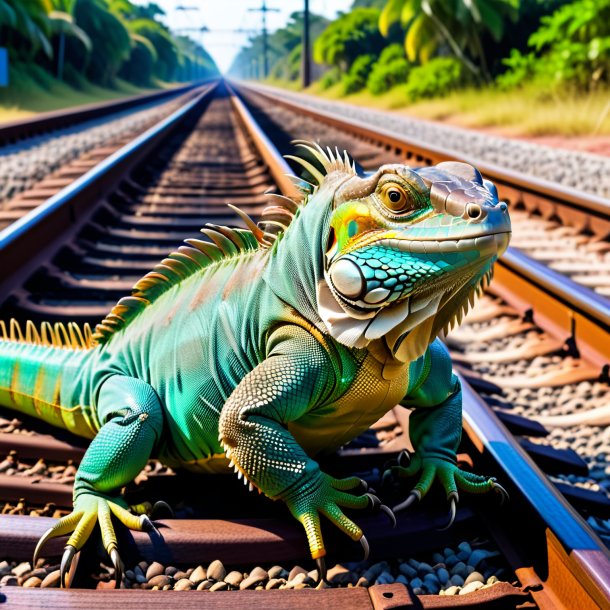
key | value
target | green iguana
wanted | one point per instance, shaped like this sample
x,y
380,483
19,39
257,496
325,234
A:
x,y
267,347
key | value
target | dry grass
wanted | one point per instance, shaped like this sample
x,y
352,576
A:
x,y
527,112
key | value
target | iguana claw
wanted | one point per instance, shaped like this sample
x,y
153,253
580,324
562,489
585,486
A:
x,y
453,499
414,496
66,564
504,497
365,546
118,567
321,563
376,506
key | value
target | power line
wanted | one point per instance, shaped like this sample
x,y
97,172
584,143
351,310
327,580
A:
x,y
264,9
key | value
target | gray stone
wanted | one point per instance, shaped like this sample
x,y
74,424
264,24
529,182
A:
x,y
32,581
453,590
51,580
9,580
219,586
442,575
204,585
457,580
250,582
22,569
184,584
407,570
154,569
274,583
385,578
216,571
471,587
198,574
474,577
160,580
234,578
460,569
278,572
260,573
296,570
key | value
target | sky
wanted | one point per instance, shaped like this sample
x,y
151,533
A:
x,y
222,16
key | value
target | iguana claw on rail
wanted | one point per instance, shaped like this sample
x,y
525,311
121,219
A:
x,y
262,349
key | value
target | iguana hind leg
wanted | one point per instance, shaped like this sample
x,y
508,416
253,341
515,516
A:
x,y
132,419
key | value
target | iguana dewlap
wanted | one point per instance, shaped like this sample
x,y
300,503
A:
x,y
265,348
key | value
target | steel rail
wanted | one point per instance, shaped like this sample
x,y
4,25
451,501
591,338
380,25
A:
x,y
62,215
47,121
577,558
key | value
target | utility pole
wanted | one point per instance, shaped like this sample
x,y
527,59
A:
x,y
264,9
305,49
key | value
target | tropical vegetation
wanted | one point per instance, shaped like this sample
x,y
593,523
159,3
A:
x,y
85,43
405,51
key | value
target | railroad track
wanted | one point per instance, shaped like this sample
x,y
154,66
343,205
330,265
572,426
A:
x,y
40,156
95,238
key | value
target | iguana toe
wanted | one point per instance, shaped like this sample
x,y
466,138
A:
x,y
90,509
321,563
365,547
453,500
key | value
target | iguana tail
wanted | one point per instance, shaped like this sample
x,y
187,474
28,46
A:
x,y
43,374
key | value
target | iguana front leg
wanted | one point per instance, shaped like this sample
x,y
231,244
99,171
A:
x,y
435,430
296,376
132,420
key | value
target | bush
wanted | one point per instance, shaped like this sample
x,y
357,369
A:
x,y
571,47
436,78
330,78
392,68
355,79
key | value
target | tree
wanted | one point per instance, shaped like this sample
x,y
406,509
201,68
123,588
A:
x,y
458,24
350,35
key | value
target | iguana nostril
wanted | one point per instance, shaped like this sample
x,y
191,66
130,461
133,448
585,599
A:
x,y
473,210
346,278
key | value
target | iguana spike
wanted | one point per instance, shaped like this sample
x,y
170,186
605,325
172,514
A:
x,y
47,335
226,246
300,183
76,335
209,249
198,257
176,266
62,335
31,333
229,233
16,334
308,166
3,333
87,333
285,202
330,155
248,222
317,152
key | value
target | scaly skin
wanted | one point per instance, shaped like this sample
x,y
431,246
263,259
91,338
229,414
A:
x,y
263,358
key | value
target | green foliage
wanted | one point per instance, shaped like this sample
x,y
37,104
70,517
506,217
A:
x,y
456,24
103,39
391,69
436,78
355,79
330,78
349,36
570,48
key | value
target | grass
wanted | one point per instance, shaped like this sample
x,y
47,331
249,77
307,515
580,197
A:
x,y
32,90
524,112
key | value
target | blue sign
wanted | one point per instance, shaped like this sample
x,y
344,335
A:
x,y
3,67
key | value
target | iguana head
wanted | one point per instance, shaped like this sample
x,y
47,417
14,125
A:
x,y
406,251
388,259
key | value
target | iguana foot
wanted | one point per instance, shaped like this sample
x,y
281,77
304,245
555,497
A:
x,y
90,509
327,495
450,477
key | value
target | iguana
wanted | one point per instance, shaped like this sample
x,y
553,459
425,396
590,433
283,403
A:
x,y
264,348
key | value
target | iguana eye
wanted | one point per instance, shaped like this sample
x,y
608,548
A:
x,y
394,198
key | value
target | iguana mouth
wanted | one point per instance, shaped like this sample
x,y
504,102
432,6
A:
x,y
386,272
